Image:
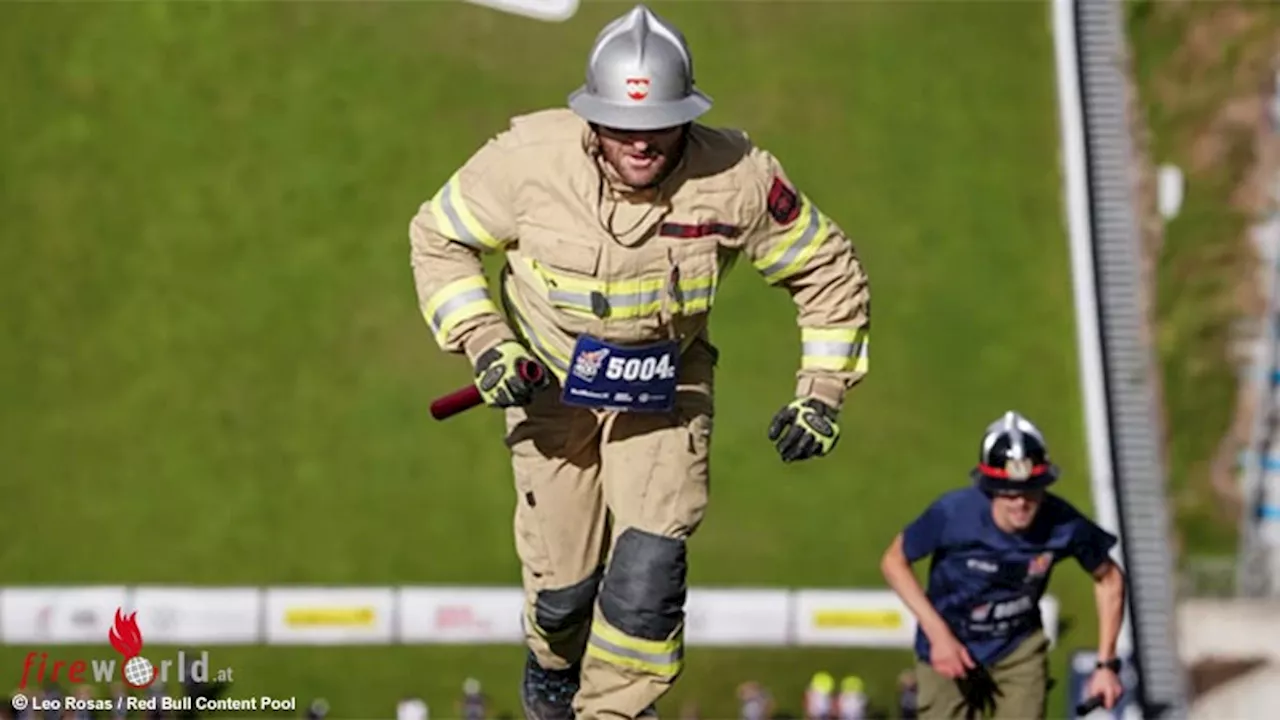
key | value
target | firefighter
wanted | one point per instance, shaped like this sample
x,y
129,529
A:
x,y
980,643
618,218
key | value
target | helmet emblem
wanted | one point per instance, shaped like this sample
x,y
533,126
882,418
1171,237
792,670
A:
x,y
637,88
1018,468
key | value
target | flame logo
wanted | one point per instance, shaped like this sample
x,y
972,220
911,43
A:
x,y
125,636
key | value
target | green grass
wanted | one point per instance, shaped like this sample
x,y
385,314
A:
x,y
212,350
1206,254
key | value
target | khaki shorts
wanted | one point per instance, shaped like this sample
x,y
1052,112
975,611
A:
x,y
1014,688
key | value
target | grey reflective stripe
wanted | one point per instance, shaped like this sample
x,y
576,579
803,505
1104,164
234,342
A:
x,y
644,657
698,293
455,303
810,232
583,300
832,348
464,234
527,331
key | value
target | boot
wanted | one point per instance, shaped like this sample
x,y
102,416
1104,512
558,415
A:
x,y
548,694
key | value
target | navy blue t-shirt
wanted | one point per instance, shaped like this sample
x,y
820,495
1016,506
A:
x,y
987,583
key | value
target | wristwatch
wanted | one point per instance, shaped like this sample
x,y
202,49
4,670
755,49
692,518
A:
x,y
1113,664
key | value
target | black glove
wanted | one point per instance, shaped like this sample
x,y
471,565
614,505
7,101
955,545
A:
x,y
507,375
803,429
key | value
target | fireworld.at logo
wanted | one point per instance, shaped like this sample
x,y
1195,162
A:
x,y
126,638
136,671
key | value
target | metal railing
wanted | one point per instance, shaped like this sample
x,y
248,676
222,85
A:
x,y
1130,371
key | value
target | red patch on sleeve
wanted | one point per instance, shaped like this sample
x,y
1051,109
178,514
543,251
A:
x,y
784,204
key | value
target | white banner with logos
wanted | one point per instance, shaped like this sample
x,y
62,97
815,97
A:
x,y
714,617
871,618
461,615
737,617
60,615
207,616
329,616
852,618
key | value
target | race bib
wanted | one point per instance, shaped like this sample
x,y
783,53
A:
x,y
1000,619
627,379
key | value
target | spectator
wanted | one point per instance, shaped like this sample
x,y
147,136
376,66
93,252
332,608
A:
x,y
473,704
852,702
156,695
24,714
907,706
412,708
200,688
755,702
51,692
120,701
318,709
83,693
818,697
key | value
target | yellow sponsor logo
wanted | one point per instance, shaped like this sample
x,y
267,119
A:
x,y
878,619
341,617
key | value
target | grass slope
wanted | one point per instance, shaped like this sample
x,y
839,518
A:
x,y
1203,72
213,354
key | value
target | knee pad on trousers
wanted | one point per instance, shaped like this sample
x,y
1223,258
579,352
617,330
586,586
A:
x,y
644,590
568,607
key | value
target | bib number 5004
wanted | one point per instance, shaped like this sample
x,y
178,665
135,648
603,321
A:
x,y
633,369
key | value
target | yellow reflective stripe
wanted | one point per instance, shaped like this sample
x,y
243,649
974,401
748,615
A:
x,y
796,247
643,293
660,657
452,214
698,293
558,362
836,349
458,301
609,634
624,298
626,660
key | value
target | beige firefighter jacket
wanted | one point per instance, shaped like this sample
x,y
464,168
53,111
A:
x,y
587,255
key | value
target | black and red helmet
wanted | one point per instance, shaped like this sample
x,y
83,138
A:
x,y
1013,457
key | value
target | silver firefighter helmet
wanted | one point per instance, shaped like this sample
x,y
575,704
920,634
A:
x,y
1014,456
639,76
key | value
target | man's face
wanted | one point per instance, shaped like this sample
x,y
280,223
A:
x,y
1015,511
641,157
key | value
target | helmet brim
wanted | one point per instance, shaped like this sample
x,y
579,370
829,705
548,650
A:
x,y
993,484
649,116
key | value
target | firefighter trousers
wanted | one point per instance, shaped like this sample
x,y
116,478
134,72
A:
x,y
1013,688
605,504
